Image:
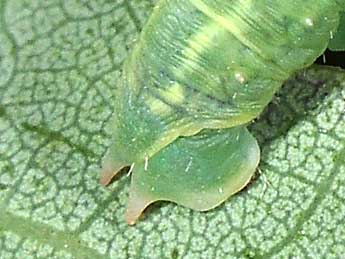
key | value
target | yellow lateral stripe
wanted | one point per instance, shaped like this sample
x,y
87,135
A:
x,y
197,44
228,25
225,23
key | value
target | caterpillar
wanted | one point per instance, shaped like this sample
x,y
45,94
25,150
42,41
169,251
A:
x,y
200,72
337,42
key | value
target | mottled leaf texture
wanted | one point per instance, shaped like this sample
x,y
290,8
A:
x,y
59,61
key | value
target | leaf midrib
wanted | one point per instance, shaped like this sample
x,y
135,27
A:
x,y
27,228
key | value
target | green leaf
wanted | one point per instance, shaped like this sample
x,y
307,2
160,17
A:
x,y
337,43
59,61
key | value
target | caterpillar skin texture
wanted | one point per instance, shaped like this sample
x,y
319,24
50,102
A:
x,y
202,70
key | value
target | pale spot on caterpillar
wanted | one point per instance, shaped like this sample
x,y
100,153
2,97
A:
x,y
158,107
239,77
309,22
174,94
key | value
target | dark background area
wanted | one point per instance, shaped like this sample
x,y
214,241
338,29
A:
x,y
332,58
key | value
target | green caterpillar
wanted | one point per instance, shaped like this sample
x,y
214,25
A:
x,y
201,71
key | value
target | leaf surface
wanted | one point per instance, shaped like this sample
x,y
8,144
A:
x,y
59,61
